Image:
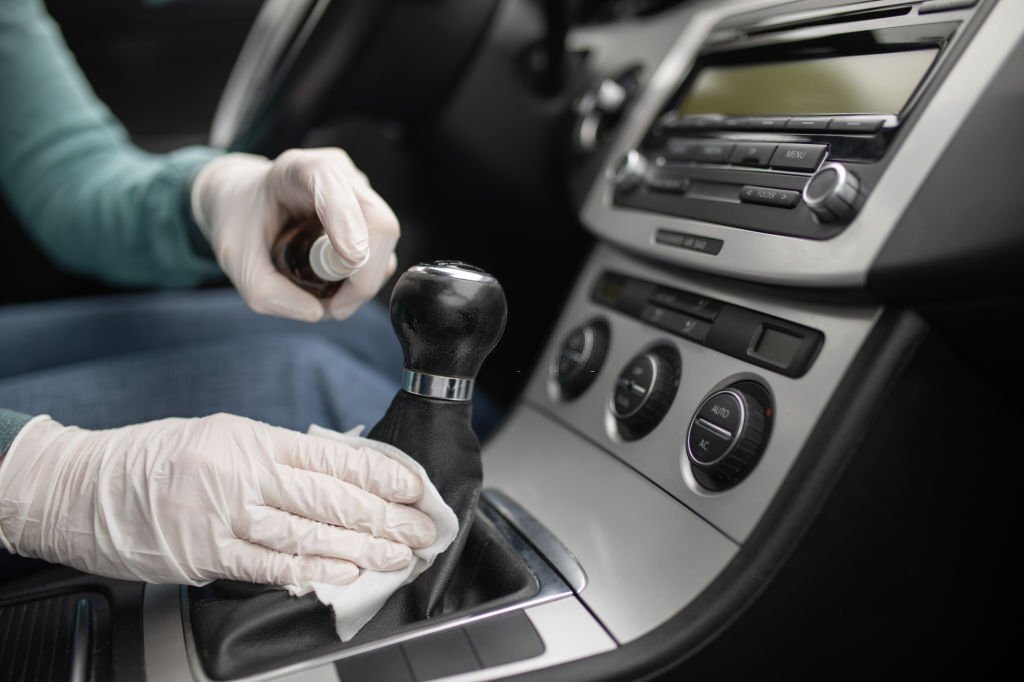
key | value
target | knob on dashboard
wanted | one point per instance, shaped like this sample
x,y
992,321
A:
x,y
629,172
580,358
728,434
597,106
644,391
832,193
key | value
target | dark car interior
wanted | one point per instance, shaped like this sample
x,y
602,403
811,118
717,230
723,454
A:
x,y
762,261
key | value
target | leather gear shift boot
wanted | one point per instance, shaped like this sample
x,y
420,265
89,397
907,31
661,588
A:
x,y
436,433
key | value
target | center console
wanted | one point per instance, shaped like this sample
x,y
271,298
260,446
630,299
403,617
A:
x,y
709,387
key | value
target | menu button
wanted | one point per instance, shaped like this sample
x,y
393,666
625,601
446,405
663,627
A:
x,y
803,157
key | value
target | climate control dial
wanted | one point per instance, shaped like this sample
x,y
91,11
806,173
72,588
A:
x,y
580,358
728,434
644,391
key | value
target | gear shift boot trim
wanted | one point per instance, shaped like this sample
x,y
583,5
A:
x,y
458,389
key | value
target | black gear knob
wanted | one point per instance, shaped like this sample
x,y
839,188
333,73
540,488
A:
x,y
448,316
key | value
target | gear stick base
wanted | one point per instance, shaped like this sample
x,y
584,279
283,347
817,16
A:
x,y
241,629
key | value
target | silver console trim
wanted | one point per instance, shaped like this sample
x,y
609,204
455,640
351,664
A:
x,y
163,635
456,389
81,643
845,260
542,539
646,556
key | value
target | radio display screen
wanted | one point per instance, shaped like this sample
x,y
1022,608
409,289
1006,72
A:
x,y
854,84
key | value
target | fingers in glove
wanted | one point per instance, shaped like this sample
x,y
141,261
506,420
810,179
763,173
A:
x,y
291,534
370,470
384,232
324,498
268,292
253,563
322,181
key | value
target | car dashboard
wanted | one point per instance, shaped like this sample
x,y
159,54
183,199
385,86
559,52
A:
x,y
747,447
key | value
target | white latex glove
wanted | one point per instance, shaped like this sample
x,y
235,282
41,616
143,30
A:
x,y
187,501
241,202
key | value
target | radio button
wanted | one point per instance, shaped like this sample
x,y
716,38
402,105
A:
x,y
682,149
811,123
752,154
700,121
765,122
678,323
714,152
769,196
801,157
856,124
667,184
686,302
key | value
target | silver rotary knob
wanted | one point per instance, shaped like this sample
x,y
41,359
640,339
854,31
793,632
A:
x,y
595,110
832,193
629,172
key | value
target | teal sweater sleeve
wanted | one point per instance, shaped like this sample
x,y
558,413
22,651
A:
x,y
92,200
10,424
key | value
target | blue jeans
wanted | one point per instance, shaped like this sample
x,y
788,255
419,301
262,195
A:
x,y
111,361
116,360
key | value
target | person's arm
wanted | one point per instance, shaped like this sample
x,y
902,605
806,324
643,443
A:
x,y
11,423
187,501
95,202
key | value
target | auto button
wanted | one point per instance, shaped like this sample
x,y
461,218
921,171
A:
x,y
723,410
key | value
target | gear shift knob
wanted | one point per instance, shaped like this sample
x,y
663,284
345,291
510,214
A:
x,y
448,316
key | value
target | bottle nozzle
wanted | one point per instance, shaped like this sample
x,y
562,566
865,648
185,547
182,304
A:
x,y
328,264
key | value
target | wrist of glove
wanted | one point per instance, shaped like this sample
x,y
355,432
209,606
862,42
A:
x,y
188,501
242,201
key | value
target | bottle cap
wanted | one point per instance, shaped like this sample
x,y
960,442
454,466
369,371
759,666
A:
x,y
328,264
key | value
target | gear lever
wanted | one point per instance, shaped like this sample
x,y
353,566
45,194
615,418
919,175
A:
x,y
448,316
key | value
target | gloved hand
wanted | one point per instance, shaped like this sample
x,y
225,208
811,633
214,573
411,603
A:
x,y
188,501
241,202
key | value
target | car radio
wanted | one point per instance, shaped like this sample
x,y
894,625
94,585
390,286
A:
x,y
784,124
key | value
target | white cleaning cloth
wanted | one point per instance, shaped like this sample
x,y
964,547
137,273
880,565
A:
x,y
359,601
